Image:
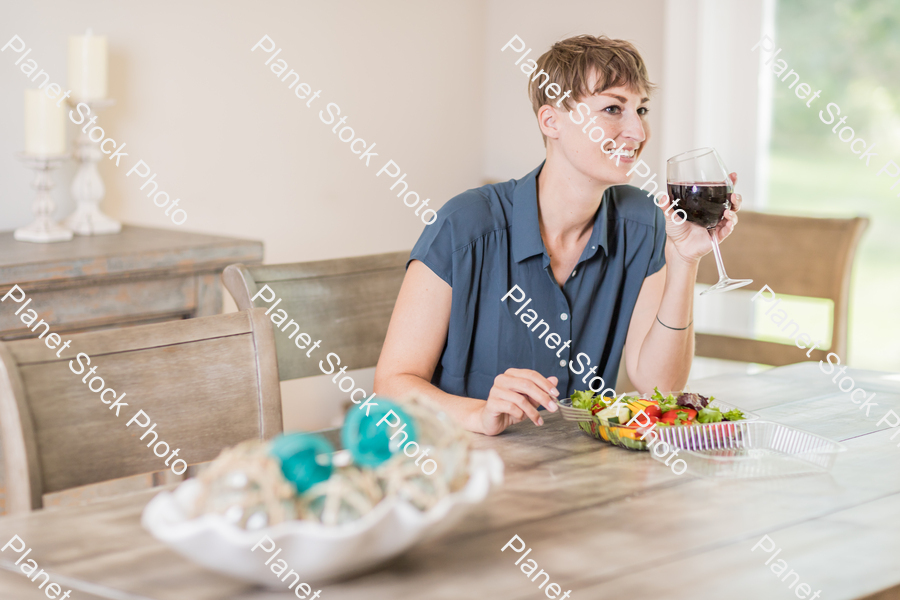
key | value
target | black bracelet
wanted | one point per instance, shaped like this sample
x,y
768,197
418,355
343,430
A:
x,y
674,328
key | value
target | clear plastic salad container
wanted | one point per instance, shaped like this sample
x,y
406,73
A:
x,y
629,436
742,449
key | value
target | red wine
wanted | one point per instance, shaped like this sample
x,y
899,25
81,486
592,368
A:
x,y
704,203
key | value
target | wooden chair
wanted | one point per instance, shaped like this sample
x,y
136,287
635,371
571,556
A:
x,y
345,302
796,256
207,383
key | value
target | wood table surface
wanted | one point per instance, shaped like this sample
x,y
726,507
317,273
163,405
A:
x,y
604,522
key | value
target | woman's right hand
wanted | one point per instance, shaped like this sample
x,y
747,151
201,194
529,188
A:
x,y
515,396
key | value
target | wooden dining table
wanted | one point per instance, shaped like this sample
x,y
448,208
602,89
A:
x,y
602,521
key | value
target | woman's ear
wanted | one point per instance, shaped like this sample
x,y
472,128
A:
x,y
549,120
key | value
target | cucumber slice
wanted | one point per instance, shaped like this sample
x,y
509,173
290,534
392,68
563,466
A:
x,y
614,415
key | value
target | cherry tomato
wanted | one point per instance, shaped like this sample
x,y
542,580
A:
x,y
653,411
671,416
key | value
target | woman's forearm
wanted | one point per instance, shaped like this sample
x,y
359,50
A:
x,y
666,354
463,410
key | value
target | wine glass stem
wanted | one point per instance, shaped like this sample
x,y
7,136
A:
x,y
719,264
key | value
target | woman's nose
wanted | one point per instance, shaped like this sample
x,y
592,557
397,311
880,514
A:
x,y
634,128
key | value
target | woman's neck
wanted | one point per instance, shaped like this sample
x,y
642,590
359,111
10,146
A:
x,y
567,201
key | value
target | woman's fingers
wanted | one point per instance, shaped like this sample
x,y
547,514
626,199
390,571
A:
x,y
539,388
520,406
533,392
519,392
508,408
548,384
726,226
730,218
736,199
664,202
516,396
678,221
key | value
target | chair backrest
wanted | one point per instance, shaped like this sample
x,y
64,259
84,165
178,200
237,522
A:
x,y
797,256
206,383
346,303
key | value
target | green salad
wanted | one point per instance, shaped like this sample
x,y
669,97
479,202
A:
x,y
681,408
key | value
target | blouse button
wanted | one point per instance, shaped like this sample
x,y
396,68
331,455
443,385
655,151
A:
x,y
574,272
562,363
564,316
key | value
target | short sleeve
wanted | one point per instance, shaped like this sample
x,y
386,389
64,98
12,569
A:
x,y
463,219
435,248
658,258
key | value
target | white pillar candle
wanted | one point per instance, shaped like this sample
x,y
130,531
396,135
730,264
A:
x,y
87,66
45,125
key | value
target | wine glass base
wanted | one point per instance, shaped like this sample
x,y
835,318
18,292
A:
x,y
727,284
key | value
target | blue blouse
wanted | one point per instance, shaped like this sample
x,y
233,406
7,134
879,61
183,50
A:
x,y
508,309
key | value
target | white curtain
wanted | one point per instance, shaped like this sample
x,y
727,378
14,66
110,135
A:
x,y
714,94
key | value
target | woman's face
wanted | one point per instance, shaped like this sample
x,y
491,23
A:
x,y
617,119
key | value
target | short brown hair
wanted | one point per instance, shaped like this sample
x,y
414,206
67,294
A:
x,y
570,63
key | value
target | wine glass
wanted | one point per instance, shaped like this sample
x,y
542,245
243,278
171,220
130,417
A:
x,y
698,181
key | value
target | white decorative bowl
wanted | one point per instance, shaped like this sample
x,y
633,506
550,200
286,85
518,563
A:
x,y
316,552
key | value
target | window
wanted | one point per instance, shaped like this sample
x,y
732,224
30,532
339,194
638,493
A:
x,y
848,49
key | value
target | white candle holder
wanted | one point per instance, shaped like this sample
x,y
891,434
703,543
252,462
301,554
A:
x,y
87,186
44,229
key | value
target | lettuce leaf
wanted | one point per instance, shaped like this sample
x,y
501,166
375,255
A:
x,y
681,418
665,402
669,404
695,401
709,414
734,415
583,399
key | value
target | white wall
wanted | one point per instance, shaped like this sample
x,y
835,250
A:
x,y
513,144
243,154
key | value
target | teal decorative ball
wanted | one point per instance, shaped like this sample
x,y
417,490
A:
x,y
305,458
370,443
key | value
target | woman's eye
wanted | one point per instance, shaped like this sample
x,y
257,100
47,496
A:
x,y
613,110
643,110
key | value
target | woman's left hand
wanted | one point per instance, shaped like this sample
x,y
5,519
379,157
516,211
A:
x,y
691,241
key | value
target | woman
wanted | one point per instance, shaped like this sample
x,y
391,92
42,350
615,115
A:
x,y
525,290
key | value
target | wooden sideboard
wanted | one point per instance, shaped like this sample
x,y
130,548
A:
x,y
140,275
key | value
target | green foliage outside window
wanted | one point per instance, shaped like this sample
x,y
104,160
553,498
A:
x,y
850,49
